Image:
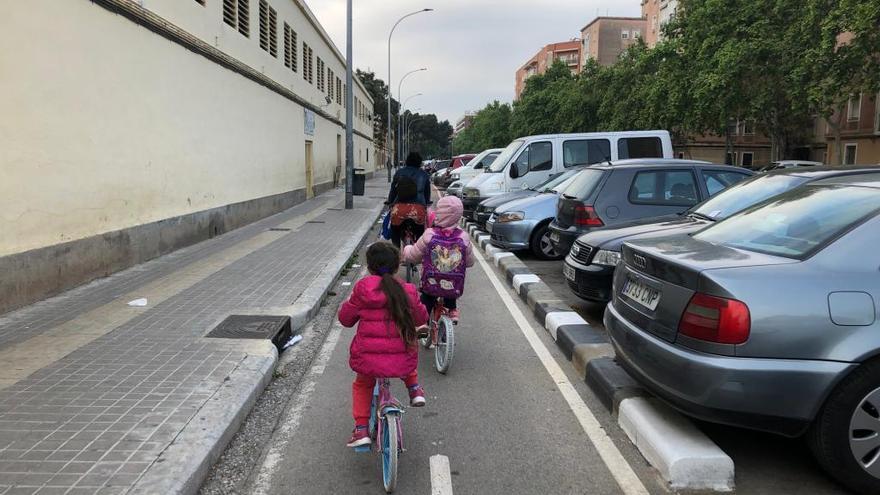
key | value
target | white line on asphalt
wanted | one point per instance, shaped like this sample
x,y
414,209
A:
x,y
626,478
281,438
441,477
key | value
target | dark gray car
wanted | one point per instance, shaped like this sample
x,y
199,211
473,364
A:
x,y
626,190
589,267
487,207
767,320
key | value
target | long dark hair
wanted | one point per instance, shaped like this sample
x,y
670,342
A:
x,y
383,259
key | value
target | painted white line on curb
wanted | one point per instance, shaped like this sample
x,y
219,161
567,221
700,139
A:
x,y
626,478
484,237
685,457
492,250
441,476
558,319
497,257
524,278
282,437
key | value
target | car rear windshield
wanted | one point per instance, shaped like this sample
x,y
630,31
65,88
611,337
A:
x,y
584,184
747,193
506,154
797,223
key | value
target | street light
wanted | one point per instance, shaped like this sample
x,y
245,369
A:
x,y
401,126
349,113
399,85
388,138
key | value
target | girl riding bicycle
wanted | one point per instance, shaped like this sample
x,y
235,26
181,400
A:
x,y
450,252
387,312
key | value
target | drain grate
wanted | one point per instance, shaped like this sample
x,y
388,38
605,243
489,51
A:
x,y
316,221
334,209
274,328
279,229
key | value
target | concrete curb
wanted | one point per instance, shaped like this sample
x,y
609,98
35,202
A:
x,y
201,443
203,440
684,456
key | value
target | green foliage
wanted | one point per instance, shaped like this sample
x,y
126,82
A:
x,y
778,63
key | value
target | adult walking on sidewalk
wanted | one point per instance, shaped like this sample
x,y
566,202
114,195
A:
x,y
409,197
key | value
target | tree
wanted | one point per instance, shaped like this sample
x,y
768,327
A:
x,y
378,91
539,105
490,128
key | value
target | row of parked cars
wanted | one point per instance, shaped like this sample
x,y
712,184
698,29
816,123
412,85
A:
x,y
742,299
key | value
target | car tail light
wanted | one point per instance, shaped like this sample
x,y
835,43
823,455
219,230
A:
x,y
716,319
586,216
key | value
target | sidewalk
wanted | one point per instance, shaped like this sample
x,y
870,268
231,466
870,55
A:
x,y
100,397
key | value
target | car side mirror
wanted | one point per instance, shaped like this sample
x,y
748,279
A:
x,y
525,186
514,171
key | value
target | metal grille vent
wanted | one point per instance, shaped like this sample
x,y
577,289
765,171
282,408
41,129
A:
x,y
262,327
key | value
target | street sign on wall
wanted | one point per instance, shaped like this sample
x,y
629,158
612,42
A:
x,y
309,121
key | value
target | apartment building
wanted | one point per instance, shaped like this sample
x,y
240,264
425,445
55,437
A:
x,y
656,14
463,123
859,132
566,51
132,128
605,38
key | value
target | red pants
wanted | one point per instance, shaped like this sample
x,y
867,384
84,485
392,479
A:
x,y
362,395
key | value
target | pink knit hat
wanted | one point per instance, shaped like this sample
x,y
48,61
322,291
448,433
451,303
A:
x,y
449,210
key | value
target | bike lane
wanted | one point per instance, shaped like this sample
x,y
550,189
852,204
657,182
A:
x,y
507,417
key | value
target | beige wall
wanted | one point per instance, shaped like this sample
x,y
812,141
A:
x,y
106,125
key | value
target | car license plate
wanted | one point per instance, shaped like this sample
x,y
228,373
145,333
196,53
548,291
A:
x,y
641,293
489,227
554,236
569,273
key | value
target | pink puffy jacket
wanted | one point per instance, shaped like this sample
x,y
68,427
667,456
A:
x,y
377,349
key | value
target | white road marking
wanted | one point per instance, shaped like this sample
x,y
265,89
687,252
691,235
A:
x,y
281,438
626,478
441,477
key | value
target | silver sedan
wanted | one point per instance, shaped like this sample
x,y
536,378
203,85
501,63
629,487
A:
x,y
767,320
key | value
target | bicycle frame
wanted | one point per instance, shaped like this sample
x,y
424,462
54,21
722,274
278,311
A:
x,y
384,406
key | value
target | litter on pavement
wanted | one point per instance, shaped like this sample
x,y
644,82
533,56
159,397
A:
x,y
138,302
292,342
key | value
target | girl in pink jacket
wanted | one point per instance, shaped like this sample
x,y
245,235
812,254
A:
x,y
447,214
387,312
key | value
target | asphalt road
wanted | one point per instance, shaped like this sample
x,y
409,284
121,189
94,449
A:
x,y
765,463
505,424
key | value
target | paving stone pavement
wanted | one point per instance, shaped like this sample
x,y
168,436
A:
x,y
99,419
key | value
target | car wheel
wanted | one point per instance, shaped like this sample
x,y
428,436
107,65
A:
x,y
845,437
541,246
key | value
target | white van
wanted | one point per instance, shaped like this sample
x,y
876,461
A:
x,y
531,160
476,166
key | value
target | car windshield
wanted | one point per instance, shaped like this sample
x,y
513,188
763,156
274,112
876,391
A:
x,y
500,163
797,223
745,194
555,182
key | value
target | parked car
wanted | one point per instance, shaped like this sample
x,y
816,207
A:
x,y
767,320
531,160
454,189
522,224
485,209
443,178
783,164
437,165
628,190
589,267
475,167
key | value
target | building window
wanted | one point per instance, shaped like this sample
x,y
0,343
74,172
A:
x,y
747,159
308,74
330,77
290,55
268,29
624,34
320,65
235,14
345,92
854,107
201,2
338,91
636,33
849,154
730,159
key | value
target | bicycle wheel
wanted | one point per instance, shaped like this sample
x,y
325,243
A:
x,y
445,344
389,452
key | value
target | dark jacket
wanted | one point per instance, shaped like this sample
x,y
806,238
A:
x,y
422,181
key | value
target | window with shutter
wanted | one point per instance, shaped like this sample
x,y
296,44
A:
x,y
273,32
264,25
244,23
229,12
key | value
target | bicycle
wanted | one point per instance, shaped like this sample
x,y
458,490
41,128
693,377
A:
x,y
441,337
386,431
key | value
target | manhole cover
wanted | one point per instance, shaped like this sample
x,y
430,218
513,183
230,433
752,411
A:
x,y
274,328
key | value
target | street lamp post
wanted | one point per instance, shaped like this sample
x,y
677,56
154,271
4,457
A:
x,y
401,124
349,115
399,128
408,127
388,138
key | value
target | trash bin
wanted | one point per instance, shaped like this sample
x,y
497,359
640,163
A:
x,y
358,182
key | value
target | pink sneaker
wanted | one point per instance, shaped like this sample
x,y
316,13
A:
x,y
416,396
359,437
454,314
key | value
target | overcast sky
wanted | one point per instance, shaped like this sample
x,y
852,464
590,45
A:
x,y
472,48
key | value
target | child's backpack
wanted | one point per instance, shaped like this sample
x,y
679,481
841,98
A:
x,y
444,264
